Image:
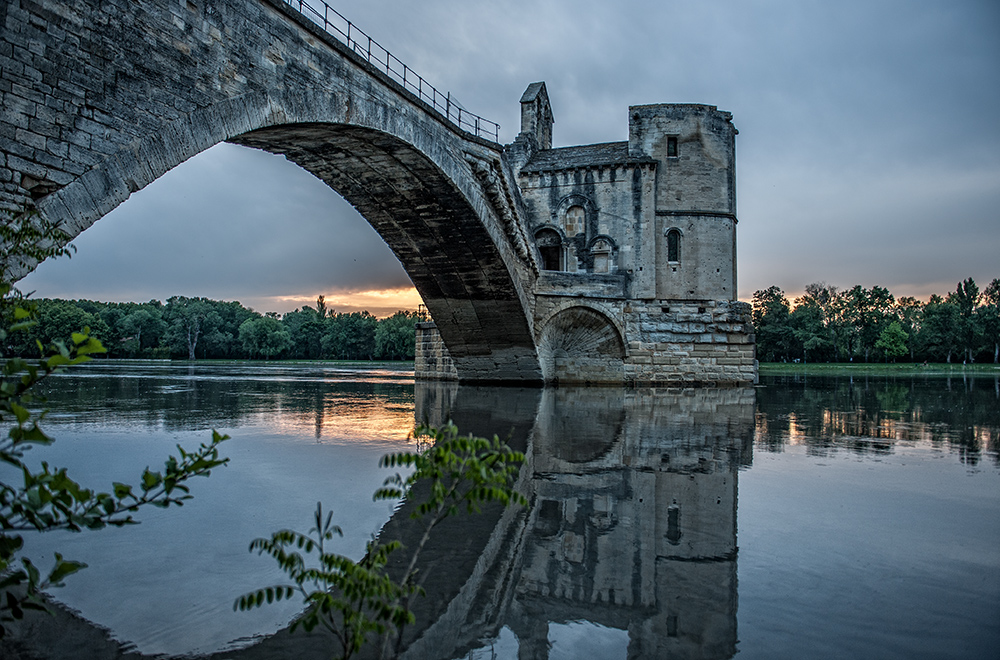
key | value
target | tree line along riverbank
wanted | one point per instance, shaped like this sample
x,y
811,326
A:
x,y
872,325
200,328
824,325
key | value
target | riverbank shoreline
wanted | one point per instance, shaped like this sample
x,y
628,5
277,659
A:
x,y
876,369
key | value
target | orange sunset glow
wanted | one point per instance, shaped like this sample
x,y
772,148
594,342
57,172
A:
x,y
381,302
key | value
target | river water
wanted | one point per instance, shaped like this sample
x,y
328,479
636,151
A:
x,y
804,518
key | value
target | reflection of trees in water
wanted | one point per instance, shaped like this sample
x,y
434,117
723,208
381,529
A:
x,y
871,414
633,516
191,398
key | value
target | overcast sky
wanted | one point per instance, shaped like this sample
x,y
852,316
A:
x,y
868,153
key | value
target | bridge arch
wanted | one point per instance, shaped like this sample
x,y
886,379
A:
x,y
581,343
433,192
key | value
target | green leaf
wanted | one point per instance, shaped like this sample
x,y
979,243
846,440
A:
x,y
20,412
151,480
62,569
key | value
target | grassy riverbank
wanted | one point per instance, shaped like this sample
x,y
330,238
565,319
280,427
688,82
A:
x,y
876,368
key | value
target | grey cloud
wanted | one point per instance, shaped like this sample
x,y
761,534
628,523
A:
x,y
868,147
232,223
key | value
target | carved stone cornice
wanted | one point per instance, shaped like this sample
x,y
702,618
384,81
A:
x,y
494,184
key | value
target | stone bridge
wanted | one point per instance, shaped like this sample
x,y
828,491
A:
x,y
100,98
536,264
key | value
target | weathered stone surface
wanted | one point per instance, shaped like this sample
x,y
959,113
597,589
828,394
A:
x,y
602,217
432,359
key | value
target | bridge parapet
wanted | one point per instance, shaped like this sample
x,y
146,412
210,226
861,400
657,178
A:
x,y
377,55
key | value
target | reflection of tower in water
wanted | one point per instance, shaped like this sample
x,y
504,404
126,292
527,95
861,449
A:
x,y
632,523
634,519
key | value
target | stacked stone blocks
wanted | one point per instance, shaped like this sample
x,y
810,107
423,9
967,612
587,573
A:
x,y
432,362
692,343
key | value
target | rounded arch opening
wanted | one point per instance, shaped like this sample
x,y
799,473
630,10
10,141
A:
x,y
674,238
434,218
579,344
233,223
550,249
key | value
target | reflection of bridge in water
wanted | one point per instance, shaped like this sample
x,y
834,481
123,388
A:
x,y
632,522
631,526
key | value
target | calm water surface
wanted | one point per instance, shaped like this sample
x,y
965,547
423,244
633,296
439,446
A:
x,y
806,518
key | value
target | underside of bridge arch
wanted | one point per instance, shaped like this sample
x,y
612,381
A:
x,y
581,345
434,231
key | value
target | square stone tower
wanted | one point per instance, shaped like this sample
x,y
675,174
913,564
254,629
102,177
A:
x,y
694,147
636,244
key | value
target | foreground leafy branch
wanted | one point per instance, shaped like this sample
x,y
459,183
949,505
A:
x,y
358,602
351,600
49,499
27,239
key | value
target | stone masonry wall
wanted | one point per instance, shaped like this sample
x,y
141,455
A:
x,y
690,342
637,240
85,122
432,361
666,343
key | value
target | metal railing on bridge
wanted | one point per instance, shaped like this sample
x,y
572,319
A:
x,y
375,54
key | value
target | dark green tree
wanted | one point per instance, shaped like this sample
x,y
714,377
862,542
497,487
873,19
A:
x,y
938,337
824,296
910,312
867,311
892,341
350,336
306,326
770,315
264,336
810,333
110,314
968,331
188,319
56,320
395,336
142,328
989,315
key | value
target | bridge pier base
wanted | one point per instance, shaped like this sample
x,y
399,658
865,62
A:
x,y
661,343
432,360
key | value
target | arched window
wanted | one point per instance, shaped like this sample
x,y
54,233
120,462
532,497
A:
x,y
573,221
549,249
674,245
